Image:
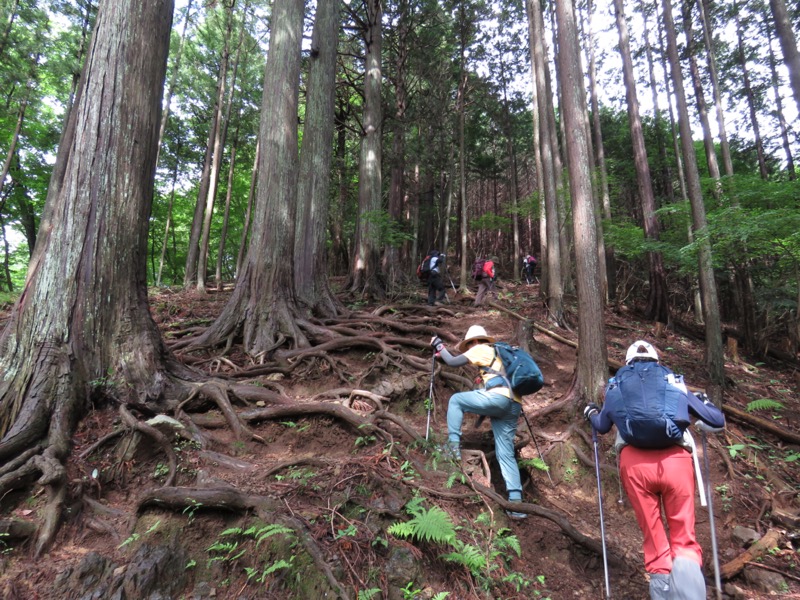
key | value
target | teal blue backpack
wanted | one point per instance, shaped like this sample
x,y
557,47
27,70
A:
x,y
521,372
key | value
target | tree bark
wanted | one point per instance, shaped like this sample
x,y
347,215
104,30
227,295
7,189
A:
x,y
708,288
262,307
591,372
365,271
83,314
313,186
554,298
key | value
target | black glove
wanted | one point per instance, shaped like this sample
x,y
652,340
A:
x,y
437,344
591,409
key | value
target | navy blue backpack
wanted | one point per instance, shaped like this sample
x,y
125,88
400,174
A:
x,y
650,410
522,373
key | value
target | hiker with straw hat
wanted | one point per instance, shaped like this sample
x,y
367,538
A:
x,y
494,400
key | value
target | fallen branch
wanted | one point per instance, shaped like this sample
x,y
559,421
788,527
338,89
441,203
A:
x,y
765,544
769,426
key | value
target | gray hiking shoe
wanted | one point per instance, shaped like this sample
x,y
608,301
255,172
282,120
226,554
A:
x,y
512,514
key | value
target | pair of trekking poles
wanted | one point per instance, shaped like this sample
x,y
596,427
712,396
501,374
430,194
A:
x,y
709,490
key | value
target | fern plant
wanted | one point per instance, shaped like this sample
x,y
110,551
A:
x,y
763,404
432,525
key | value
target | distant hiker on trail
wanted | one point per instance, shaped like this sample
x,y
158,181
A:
x,y
431,271
495,400
528,265
483,271
650,406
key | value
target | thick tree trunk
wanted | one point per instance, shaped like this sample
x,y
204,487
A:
x,y
603,201
365,271
591,372
554,298
262,307
708,288
537,150
657,307
313,186
83,313
392,268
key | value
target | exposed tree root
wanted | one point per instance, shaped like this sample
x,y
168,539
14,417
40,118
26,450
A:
x,y
159,438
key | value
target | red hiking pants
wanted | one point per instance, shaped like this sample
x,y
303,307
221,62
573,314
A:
x,y
651,477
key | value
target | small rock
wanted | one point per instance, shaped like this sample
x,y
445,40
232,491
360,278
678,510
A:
x,y
765,581
744,536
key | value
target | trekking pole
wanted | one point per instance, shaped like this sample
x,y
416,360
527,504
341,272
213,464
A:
x,y
451,280
430,397
600,504
717,580
539,452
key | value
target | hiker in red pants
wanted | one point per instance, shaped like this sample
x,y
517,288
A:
x,y
650,406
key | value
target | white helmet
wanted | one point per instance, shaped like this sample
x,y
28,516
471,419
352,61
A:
x,y
641,350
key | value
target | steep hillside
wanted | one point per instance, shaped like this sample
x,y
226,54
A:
x,y
332,488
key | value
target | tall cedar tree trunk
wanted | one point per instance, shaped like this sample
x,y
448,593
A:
x,y
262,306
699,95
313,186
591,372
537,150
216,155
791,57
779,113
610,279
392,268
464,32
708,288
365,271
741,56
513,187
555,295
83,315
657,307
725,148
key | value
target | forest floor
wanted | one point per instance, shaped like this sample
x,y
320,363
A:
x,y
346,485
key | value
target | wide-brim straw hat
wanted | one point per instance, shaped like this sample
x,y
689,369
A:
x,y
475,332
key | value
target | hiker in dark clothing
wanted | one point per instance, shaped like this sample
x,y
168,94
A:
x,y
436,291
528,265
656,473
